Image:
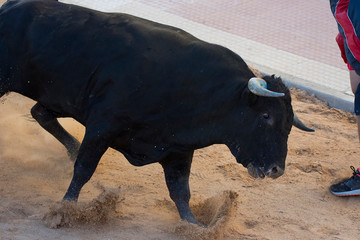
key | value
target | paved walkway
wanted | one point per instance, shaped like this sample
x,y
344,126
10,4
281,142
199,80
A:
x,y
291,38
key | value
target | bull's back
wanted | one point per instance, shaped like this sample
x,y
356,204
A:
x,y
61,34
60,54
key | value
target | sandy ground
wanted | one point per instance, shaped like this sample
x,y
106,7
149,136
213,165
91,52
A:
x,y
126,202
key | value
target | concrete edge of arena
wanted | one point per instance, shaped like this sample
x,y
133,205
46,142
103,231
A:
x,y
334,98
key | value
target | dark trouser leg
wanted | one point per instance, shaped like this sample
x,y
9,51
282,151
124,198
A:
x,y
92,148
48,121
177,171
355,86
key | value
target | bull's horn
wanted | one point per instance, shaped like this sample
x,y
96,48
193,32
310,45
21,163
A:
x,y
258,87
297,123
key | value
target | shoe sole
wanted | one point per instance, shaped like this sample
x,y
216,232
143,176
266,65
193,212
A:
x,y
348,193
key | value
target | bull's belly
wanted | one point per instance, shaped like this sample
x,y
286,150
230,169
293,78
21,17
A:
x,y
138,155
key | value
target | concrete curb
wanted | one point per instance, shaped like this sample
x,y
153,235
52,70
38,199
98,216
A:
x,y
334,98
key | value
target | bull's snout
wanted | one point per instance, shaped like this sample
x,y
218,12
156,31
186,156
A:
x,y
274,171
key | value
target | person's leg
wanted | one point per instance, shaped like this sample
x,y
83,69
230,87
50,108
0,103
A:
x,y
354,82
358,125
351,186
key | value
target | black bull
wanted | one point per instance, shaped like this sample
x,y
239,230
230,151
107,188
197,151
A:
x,y
153,92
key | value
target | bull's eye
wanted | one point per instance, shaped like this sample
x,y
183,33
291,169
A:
x,y
266,116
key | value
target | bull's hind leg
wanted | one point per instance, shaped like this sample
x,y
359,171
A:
x,y
48,121
177,171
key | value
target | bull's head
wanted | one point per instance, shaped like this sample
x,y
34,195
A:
x,y
268,117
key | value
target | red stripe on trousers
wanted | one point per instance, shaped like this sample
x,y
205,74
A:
x,y
343,19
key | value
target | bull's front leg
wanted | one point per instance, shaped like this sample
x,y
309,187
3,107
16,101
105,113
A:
x,y
177,171
94,145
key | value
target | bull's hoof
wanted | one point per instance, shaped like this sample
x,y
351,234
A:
x,y
59,215
194,221
198,224
214,213
70,213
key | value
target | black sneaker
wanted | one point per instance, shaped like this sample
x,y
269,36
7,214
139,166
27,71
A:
x,y
350,187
